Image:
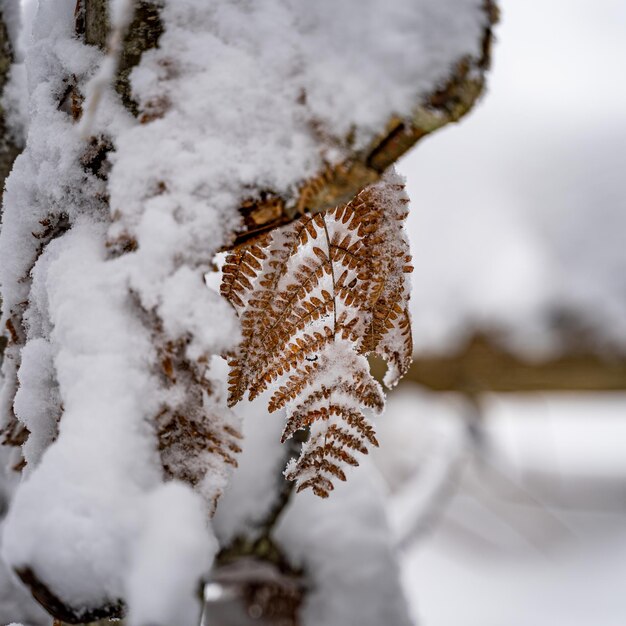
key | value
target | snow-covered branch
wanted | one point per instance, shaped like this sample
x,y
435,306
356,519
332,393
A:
x,y
351,163
452,95
244,115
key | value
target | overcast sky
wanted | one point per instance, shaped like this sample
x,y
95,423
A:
x,y
521,205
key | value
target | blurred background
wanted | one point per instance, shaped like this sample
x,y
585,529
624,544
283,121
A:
x,y
505,450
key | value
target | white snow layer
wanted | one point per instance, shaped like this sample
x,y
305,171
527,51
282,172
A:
x,y
347,547
239,97
344,543
163,584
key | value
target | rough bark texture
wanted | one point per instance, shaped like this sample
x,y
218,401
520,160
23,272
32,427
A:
x,y
8,147
143,33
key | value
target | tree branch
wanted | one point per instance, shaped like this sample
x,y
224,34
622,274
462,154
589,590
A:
x,y
257,566
143,33
93,25
8,148
60,610
336,184
484,366
341,183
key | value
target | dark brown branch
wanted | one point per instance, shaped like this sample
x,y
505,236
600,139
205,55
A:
x,y
61,611
340,184
8,147
482,365
142,34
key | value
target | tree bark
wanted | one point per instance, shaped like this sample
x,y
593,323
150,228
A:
x,y
91,24
339,184
8,147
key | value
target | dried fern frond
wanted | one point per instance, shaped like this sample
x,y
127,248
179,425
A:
x,y
389,329
314,300
241,269
198,437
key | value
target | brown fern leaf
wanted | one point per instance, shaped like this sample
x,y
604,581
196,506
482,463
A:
x,y
388,333
198,438
259,310
241,268
326,291
331,406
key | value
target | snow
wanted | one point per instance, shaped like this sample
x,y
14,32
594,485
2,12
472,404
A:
x,y
353,576
77,509
579,586
17,603
175,551
519,210
252,490
37,398
266,141
423,446
65,521
238,98
251,96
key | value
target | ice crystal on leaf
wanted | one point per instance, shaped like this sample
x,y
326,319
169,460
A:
x,y
316,298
